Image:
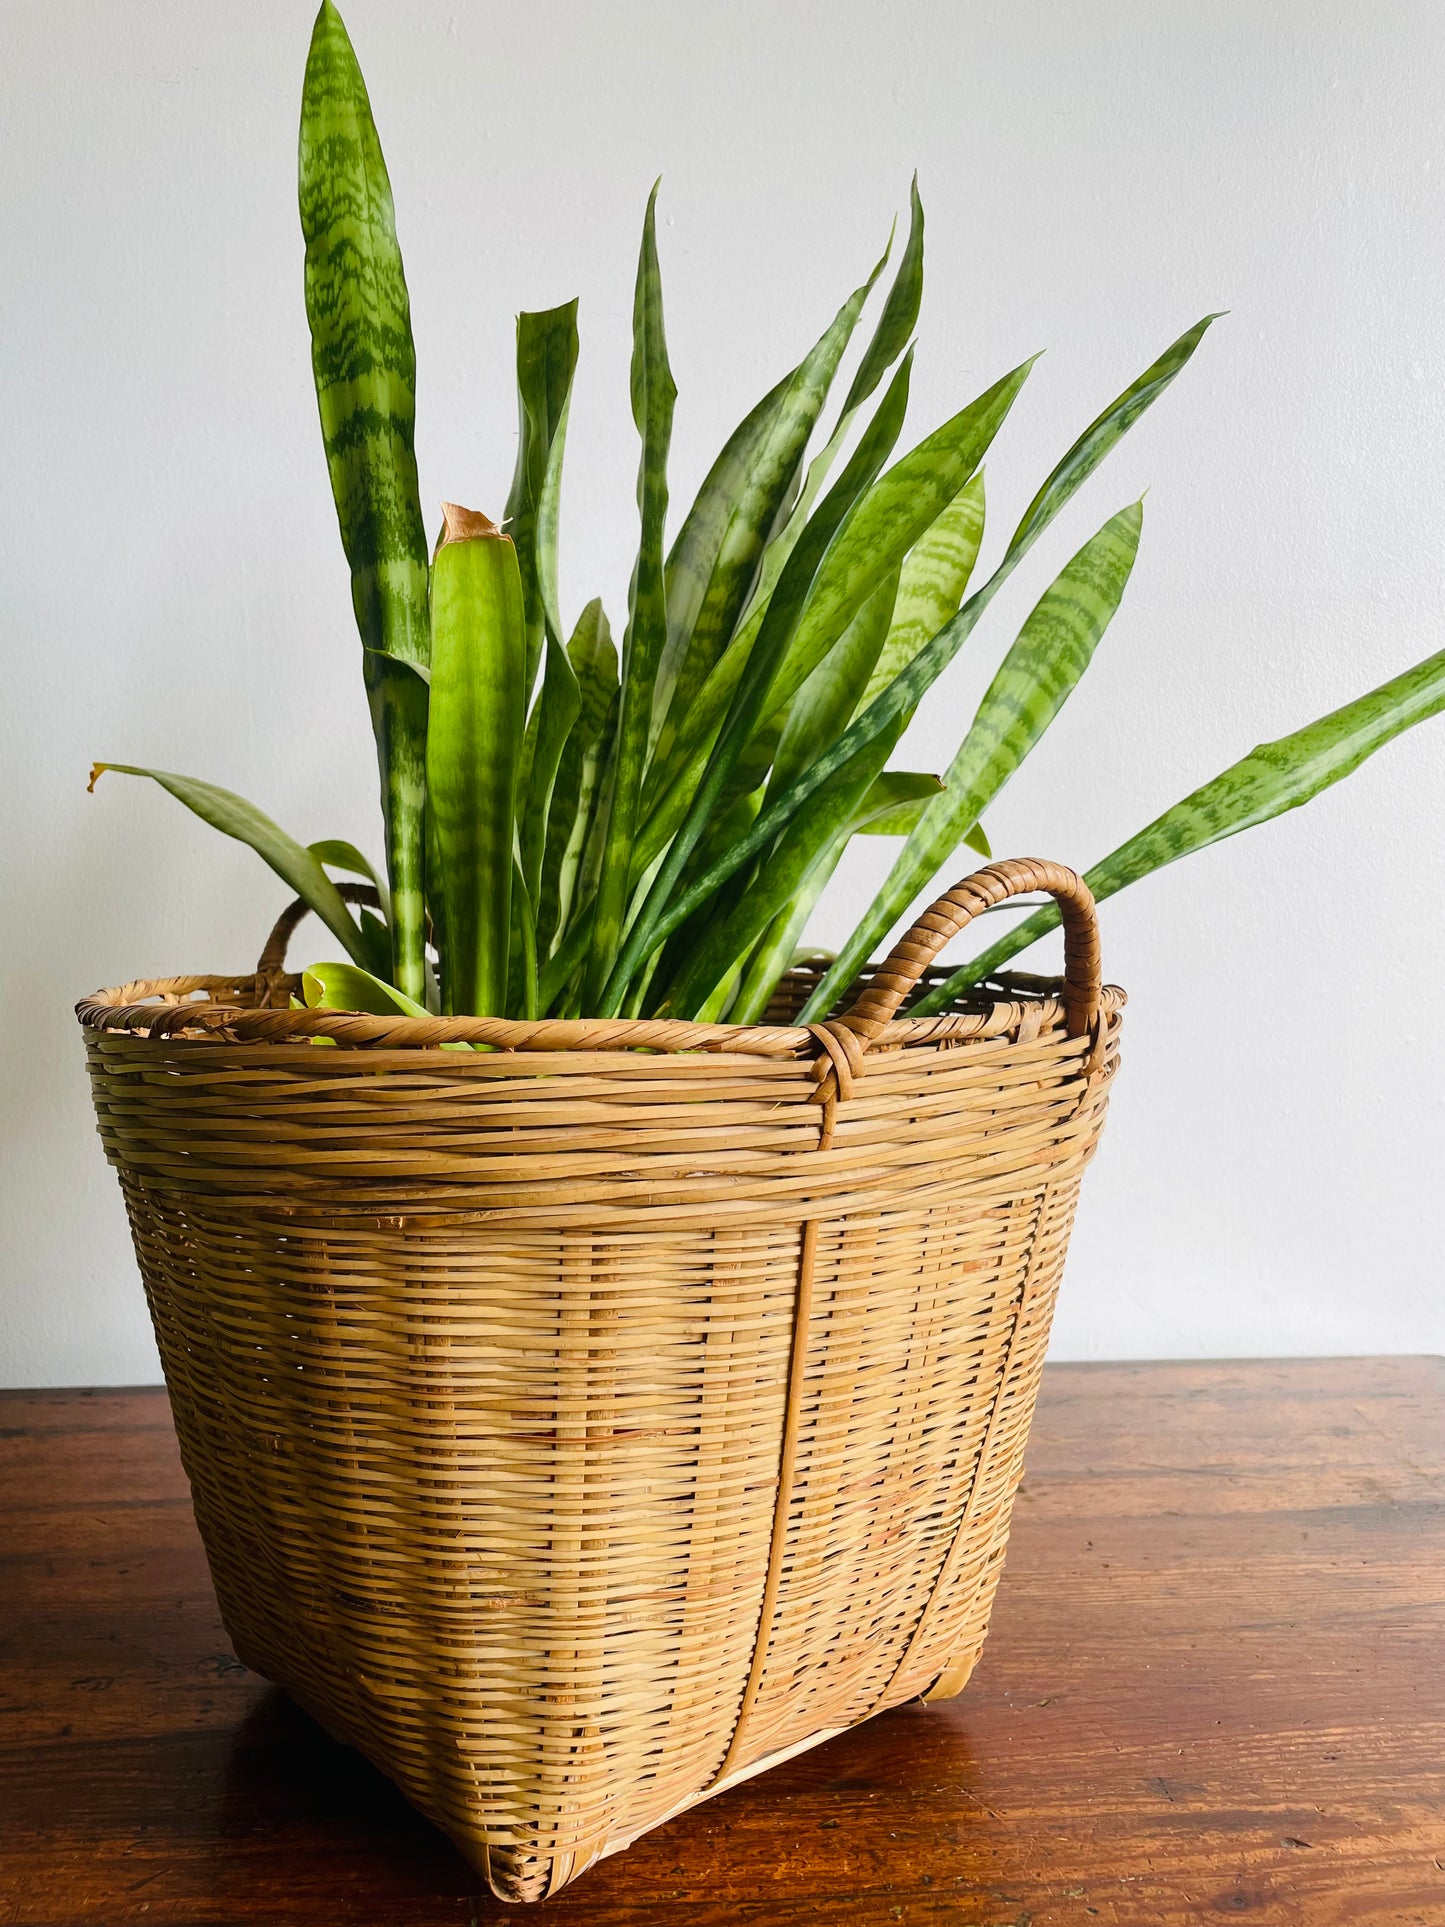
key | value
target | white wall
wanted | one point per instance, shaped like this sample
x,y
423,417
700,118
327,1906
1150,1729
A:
x,y
1097,173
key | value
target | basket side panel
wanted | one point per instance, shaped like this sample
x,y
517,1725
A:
x,y
486,1505
926,1336
924,1354
947,1635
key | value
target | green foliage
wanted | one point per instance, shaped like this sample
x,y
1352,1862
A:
x,y
365,369
1272,778
233,816
474,739
651,834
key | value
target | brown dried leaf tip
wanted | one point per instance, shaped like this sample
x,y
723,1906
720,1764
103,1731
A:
x,y
465,525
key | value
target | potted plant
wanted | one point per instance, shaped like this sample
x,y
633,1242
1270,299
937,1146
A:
x,y
603,1369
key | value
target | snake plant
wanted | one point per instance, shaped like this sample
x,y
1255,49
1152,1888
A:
x,y
581,828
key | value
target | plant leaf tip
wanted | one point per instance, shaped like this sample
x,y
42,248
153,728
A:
x,y
97,770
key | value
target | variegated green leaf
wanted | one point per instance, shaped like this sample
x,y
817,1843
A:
x,y
768,476
853,571
1035,679
546,363
653,396
694,554
477,696
894,802
751,697
886,522
828,815
672,787
775,949
822,707
886,714
890,338
1271,779
338,854
1079,463
233,816
593,657
891,806
365,372
339,986
931,584
900,313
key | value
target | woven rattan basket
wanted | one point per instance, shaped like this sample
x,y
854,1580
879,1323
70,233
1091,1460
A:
x,y
582,1425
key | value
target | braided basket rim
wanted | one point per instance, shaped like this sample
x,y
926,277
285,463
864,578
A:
x,y
236,1009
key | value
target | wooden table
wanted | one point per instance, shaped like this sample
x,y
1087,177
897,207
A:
x,y
1215,1687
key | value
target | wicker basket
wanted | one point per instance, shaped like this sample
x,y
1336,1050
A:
x,y
579,1426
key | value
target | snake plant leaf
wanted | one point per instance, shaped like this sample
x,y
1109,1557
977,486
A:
x,y
891,807
362,355
561,970
337,854
827,815
823,706
340,986
522,987
886,522
894,802
776,948
377,941
889,706
653,395
754,687
1035,679
671,788
900,313
895,525
233,816
769,476
889,710
1068,475
577,883
1272,778
364,366
895,325
341,855
694,555
398,701
1079,463
546,363
553,717
593,656
475,734
931,583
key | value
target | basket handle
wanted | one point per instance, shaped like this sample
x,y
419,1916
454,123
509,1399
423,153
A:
x,y
879,1002
271,965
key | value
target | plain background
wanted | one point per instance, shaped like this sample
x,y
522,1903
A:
x,y
1097,173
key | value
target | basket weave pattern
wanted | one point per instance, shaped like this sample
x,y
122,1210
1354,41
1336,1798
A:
x,y
578,1425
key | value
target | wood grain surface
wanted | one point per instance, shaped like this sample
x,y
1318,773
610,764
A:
x,y
1213,1689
